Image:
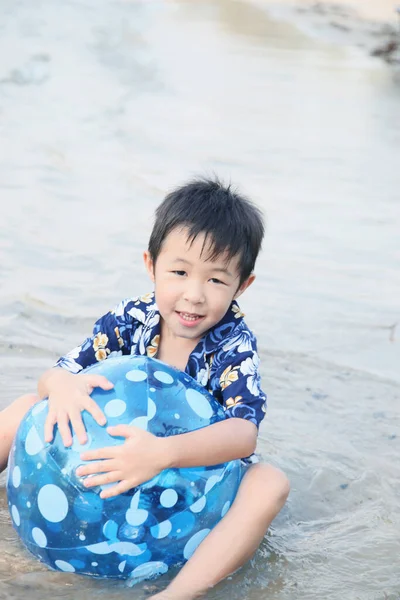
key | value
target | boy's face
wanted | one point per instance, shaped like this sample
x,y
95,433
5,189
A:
x,y
192,292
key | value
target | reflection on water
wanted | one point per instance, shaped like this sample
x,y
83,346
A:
x,y
103,109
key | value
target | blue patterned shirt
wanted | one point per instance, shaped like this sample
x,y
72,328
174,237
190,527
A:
x,y
225,361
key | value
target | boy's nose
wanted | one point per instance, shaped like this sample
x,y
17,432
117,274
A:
x,y
194,293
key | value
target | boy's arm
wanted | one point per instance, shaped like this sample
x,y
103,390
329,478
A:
x,y
143,455
237,385
215,444
54,376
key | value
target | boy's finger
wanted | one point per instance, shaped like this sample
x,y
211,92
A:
x,y
78,427
97,414
100,381
120,488
121,430
100,453
103,479
49,427
64,429
93,468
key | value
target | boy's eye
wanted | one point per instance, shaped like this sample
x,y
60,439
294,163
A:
x,y
180,273
215,280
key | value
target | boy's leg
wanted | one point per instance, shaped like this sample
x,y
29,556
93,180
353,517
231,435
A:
x,y
236,537
10,418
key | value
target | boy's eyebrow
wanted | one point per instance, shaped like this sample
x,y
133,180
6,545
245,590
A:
x,y
218,269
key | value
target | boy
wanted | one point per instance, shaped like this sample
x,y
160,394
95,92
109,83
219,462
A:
x,y
201,256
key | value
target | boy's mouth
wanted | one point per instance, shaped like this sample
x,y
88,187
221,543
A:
x,y
189,318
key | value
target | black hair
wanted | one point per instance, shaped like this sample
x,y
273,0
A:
x,y
230,222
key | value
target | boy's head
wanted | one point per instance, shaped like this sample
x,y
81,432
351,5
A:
x,y
230,224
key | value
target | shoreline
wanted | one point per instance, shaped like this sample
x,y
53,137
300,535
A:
x,y
373,26
372,10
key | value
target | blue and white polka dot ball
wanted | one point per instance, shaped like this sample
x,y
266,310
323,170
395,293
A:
x,y
143,532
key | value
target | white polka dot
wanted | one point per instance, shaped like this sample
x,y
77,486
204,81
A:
x,y
28,504
52,503
136,516
152,389
33,443
178,530
136,375
39,466
128,548
199,404
39,537
121,566
115,408
151,409
64,566
82,537
194,542
225,508
211,481
168,498
135,500
110,529
161,530
15,515
149,569
95,564
163,377
16,477
198,506
177,416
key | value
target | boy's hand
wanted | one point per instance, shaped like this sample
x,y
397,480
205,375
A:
x,y
67,400
140,458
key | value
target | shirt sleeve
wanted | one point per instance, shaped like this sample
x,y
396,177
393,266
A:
x,y
240,387
111,336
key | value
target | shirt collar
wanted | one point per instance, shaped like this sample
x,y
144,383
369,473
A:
x,y
217,335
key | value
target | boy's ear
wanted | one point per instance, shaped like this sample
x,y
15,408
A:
x,y
247,283
149,264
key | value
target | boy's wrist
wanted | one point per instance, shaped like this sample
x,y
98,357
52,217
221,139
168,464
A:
x,y
169,450
50,378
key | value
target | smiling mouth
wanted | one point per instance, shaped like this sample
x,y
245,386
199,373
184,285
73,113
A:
x,y
189,316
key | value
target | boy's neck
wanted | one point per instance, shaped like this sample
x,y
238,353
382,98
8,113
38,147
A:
x,y
173,350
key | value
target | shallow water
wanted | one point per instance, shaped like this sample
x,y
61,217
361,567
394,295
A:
x,y
105,107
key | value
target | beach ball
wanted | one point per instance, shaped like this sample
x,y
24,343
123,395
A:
x,y
139,534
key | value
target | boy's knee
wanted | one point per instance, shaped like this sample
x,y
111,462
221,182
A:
x,y
30,398
274,481
27,401
12,414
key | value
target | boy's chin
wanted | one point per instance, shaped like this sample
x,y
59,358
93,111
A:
x,y
192,335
